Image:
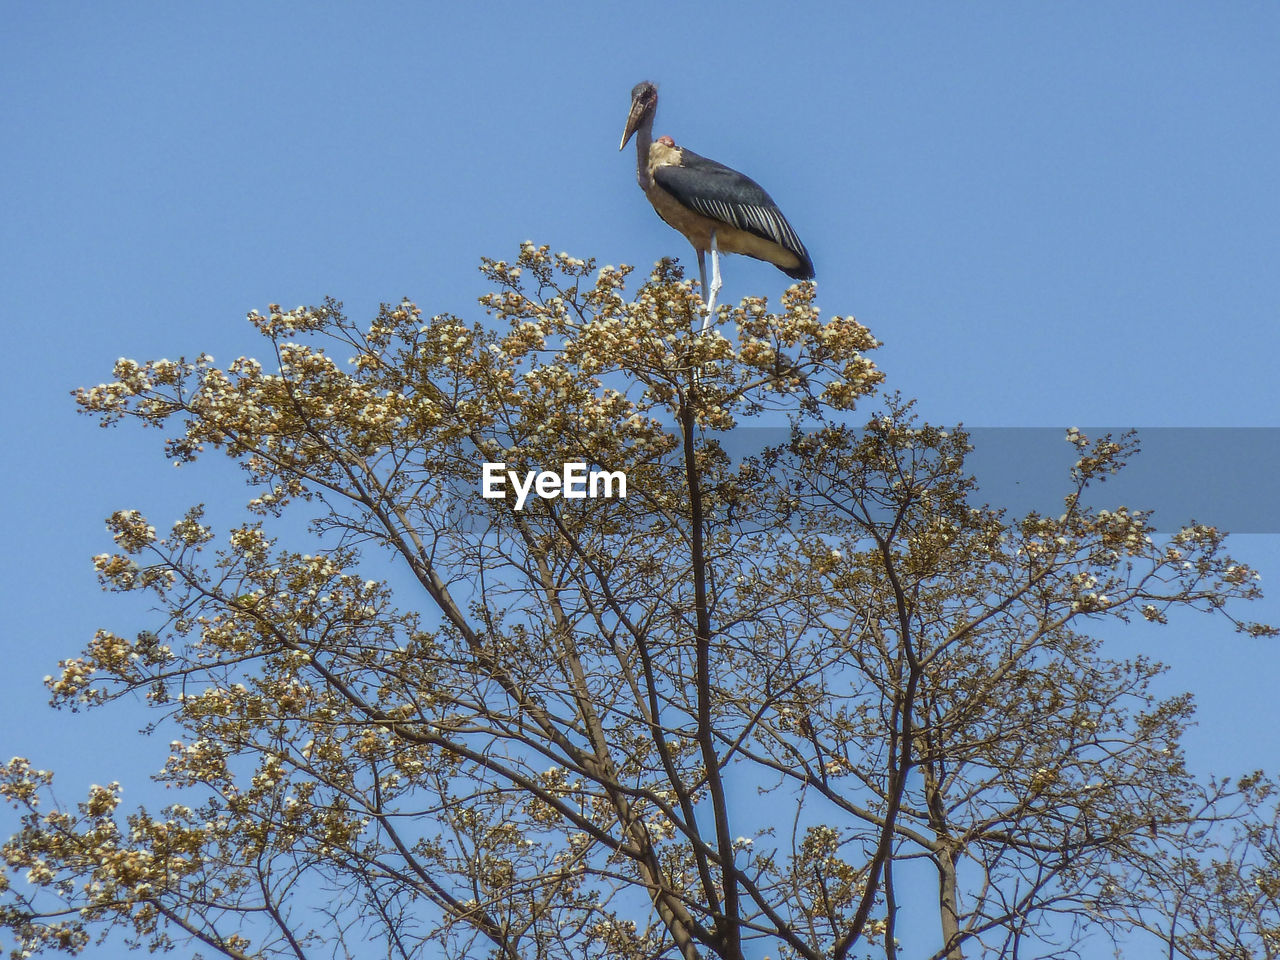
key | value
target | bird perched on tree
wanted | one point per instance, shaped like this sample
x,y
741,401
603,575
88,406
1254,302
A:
x,y
716,208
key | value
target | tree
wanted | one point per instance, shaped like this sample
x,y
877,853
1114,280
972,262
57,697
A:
x,y
722,716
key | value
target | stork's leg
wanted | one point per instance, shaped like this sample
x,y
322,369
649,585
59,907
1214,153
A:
x,y
715,281
702,269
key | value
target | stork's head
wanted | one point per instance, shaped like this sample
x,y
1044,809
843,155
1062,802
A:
x,y
644,101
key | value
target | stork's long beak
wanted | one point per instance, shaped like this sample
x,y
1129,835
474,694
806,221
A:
x,y
633,122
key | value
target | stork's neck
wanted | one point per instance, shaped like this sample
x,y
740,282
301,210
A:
x,y
644,139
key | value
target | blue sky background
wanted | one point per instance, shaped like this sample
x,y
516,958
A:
x,y
1051,214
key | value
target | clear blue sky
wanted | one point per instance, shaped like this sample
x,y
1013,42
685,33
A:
x,y
1051,214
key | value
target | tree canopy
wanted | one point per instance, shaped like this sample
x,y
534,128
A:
x,y
740,712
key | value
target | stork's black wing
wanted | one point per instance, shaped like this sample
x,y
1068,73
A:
x,y
716,191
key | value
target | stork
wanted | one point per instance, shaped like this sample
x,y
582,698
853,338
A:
x,y
716,208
